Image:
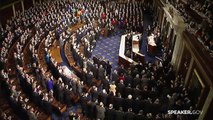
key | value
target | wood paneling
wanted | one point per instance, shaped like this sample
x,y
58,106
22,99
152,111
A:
x,y
185,61
205,86
200,54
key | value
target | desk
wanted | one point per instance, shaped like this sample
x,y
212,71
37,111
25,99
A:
x,y
151,47
135,42
137,56
124,60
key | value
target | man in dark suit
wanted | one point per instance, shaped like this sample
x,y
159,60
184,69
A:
x,y
96,60
84,99
128,79
91,106
101,73
145,92
120,88
31,114
95,70
90,65
103,97
119,114
47,107
118,101
36,98
105,84
56,91
115,76
110,113
140,116
136,81
89,76
128,90
137,105
67,96
135,72
129,115
94,93
128,103
108,69
100,111
121,69
136,92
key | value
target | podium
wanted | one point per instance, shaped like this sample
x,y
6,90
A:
x,y
136,56
151,46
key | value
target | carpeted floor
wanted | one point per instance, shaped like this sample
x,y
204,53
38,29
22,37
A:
x,y
147,21
108,47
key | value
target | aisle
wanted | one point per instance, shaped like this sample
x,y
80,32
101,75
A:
x,y
147,21
108,47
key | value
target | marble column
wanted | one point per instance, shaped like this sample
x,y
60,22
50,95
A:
x,y
22,6
33,2
14,10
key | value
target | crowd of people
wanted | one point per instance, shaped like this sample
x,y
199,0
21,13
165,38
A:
x,y
143,91
201,28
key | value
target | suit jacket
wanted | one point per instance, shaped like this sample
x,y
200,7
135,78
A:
x,y
67,97
32,116
144,94
129,116
91,106
120,88
89,66
94,95
136,81
95,71
136,93
89,79
108,69
110,114
27,87
105,85
56,91
118,102
127,104
46,106
103,98
140,117
128,80
115,78
138,105
96,60
83,102
101,75
100,112
119,115
36,98
128,91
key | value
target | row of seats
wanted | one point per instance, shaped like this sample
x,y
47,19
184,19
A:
x,y
199,17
